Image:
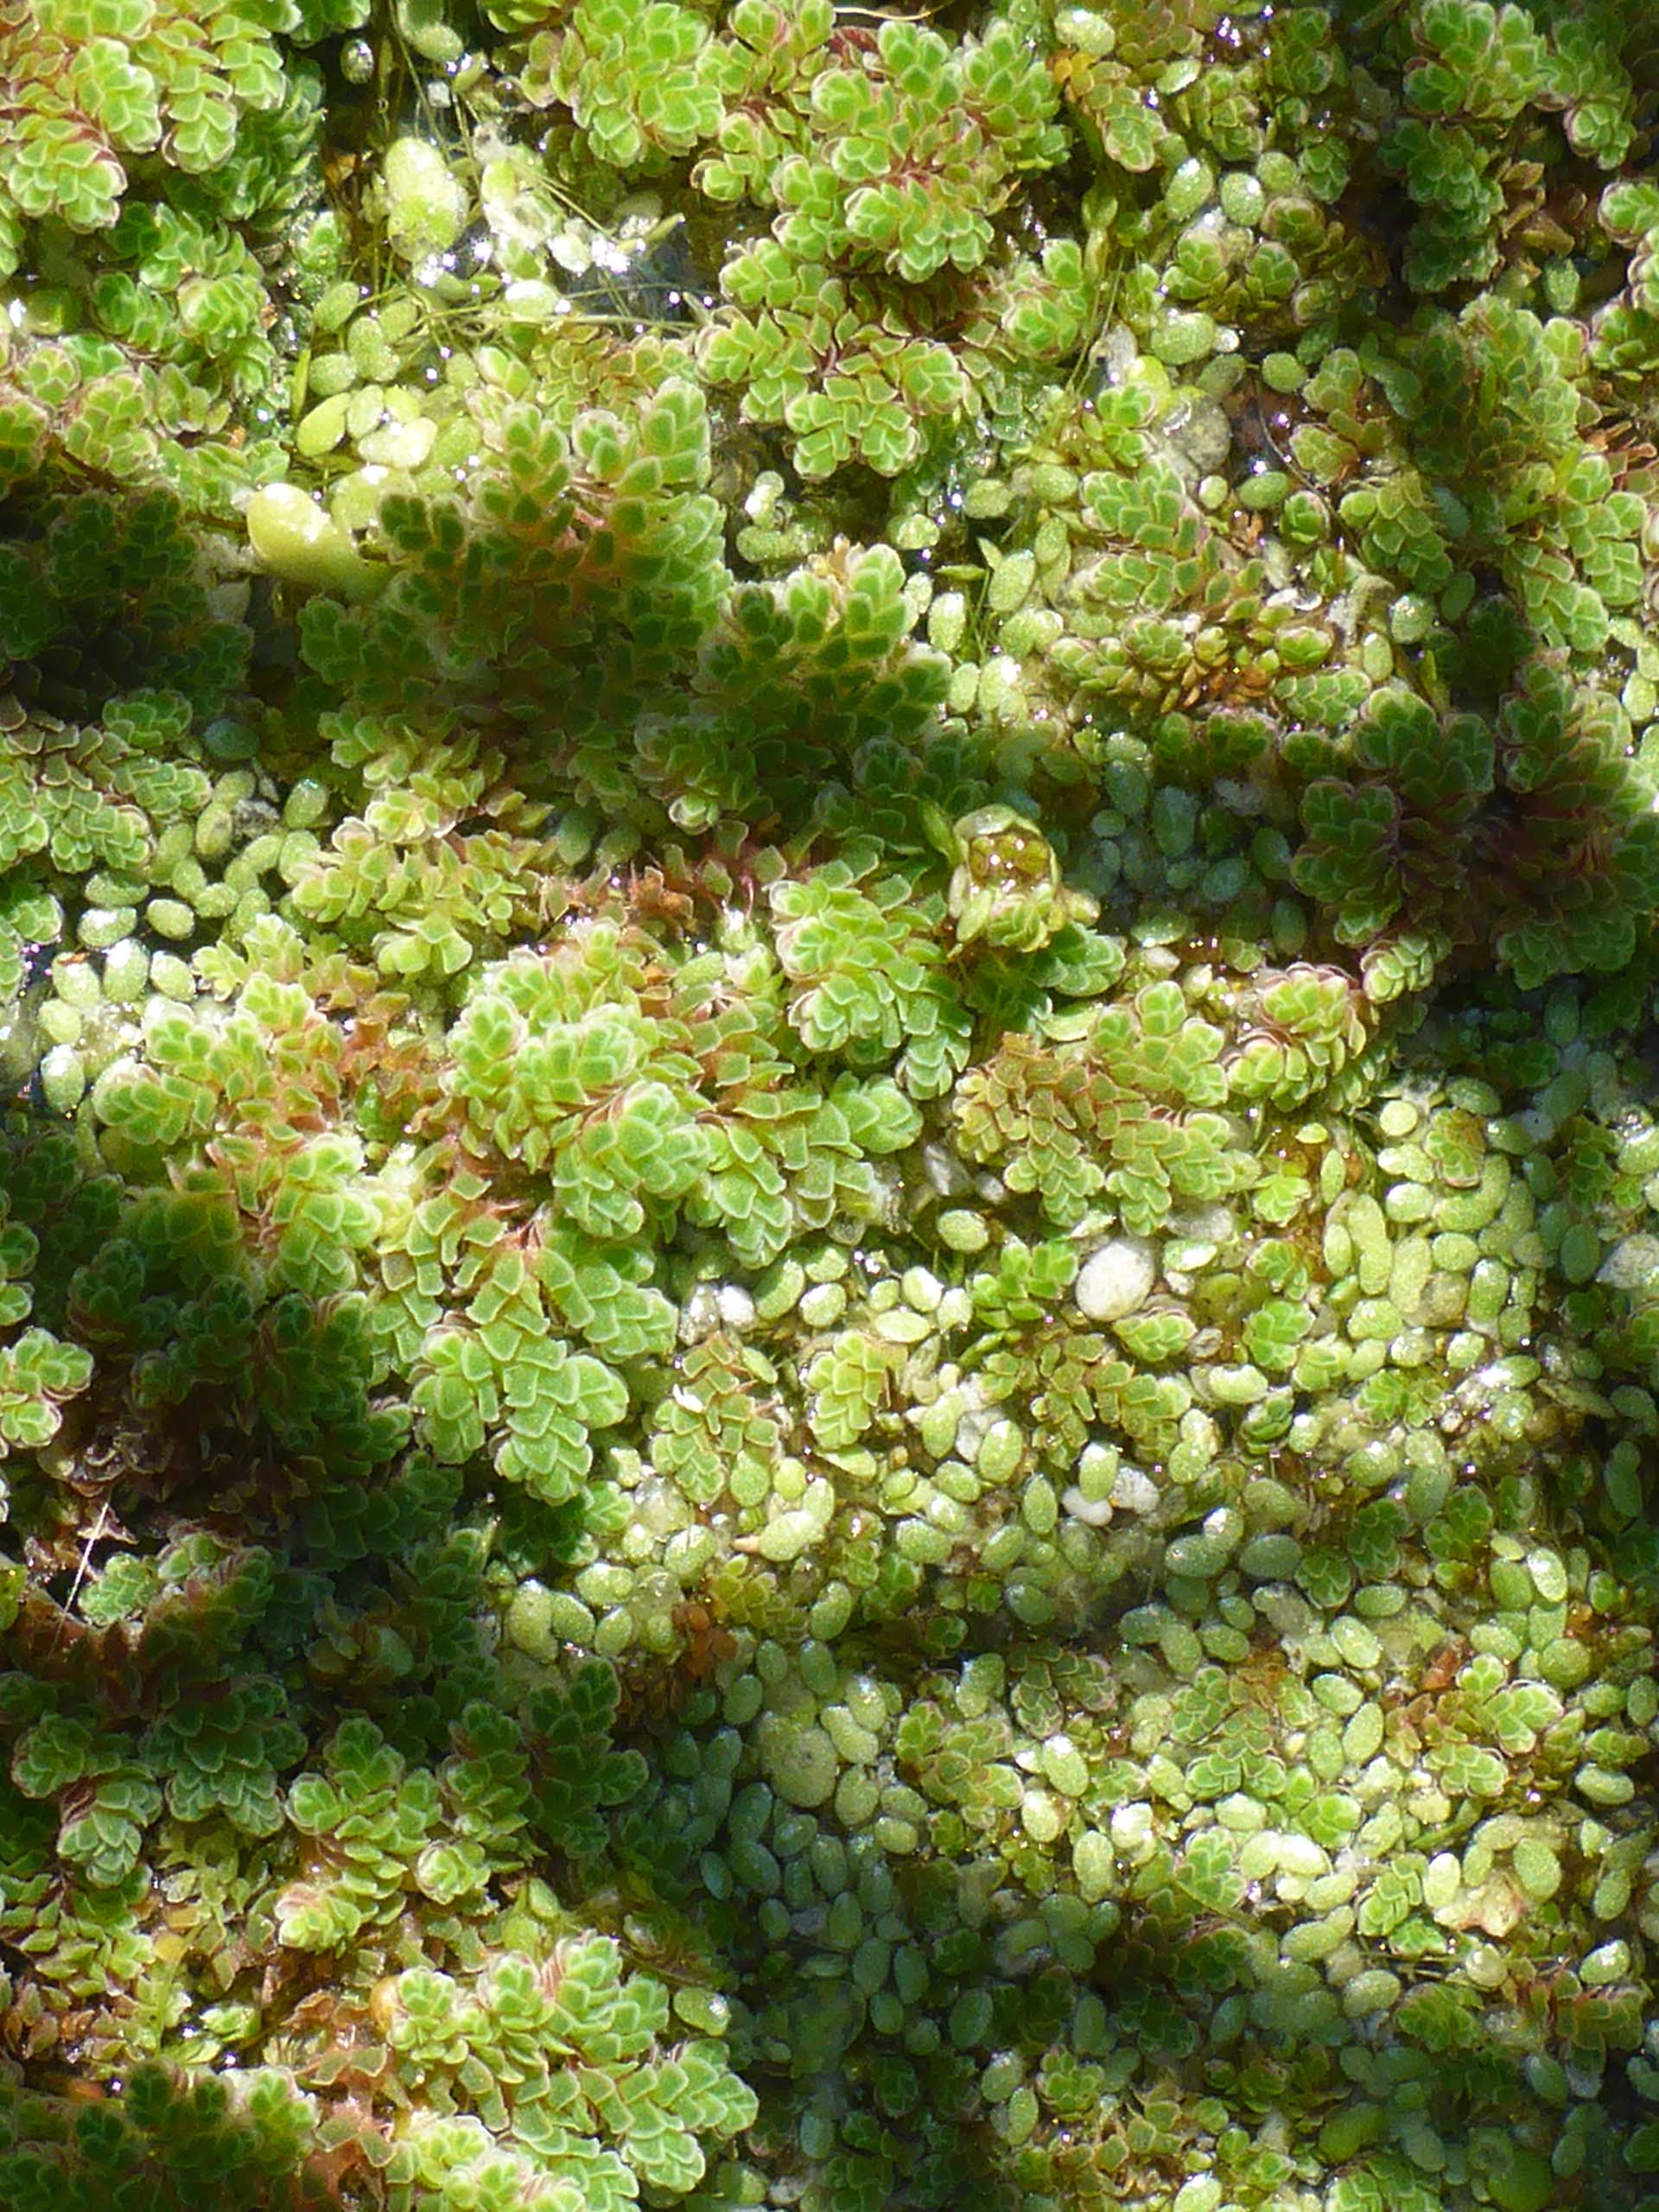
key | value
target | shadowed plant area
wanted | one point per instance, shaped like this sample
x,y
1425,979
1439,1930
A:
x,y
828,1106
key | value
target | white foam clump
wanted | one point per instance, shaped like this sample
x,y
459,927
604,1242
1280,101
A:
x,y
1093,1512
1631,1264
1116,1278
1134,1491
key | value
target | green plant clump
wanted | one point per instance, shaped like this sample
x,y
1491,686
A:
x,y
828,1117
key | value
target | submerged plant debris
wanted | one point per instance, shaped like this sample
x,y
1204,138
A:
x,y
829,1166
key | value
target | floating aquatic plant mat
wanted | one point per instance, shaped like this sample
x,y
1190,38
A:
x,y
829,1149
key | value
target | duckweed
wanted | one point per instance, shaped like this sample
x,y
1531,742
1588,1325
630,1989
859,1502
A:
x,y
830,1351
